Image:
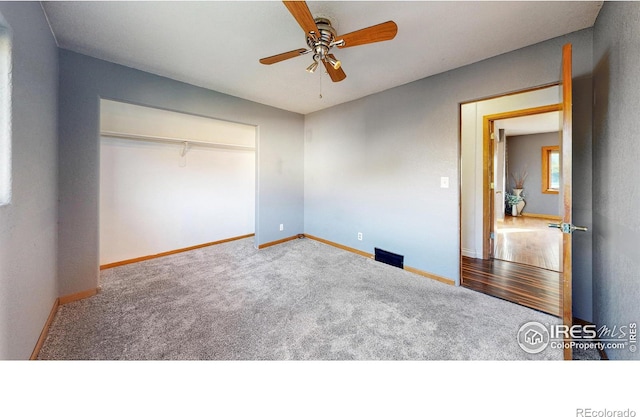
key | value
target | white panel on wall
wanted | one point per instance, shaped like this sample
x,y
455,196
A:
x,y
153,199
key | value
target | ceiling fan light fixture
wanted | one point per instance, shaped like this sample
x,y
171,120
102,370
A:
x,y
312,68
336,64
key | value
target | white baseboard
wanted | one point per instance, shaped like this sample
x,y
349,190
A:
x,y
469,253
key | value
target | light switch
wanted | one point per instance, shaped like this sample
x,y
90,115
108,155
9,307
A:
x,y
444,182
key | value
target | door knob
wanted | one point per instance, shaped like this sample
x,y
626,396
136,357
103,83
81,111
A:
x,y
568,227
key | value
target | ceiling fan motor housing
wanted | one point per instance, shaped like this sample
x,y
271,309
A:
x,y
321,43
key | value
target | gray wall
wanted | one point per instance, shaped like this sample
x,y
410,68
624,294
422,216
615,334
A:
x,y
84,80
374,165
28,231
616,149
525,153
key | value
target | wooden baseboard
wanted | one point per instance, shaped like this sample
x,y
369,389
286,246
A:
x,y
65,299
339,246
469,253
430,275
369,255
171,252
277,242
45,330
542,216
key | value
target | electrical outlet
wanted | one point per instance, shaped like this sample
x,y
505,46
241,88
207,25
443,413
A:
x,y
359,235
444,182
281,227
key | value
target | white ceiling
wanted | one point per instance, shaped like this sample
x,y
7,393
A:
x,y
529,125
217,44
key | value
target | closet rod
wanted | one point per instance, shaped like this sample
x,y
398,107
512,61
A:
x,y
175,140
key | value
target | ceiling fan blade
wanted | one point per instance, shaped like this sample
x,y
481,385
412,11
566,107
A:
x,y
378,33
336,75
281,57
302,14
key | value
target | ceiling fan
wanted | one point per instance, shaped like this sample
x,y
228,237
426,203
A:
x,y
321,38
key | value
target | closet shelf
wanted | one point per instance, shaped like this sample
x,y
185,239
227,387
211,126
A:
x,y
162,139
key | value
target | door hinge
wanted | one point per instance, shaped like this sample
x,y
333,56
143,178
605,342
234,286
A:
x,y
492,235
493,135
491,186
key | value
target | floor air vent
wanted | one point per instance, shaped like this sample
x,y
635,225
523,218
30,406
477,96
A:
x,y
389,258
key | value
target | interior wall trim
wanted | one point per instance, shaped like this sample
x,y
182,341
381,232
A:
x,y
339,246
430,275
65,299
469,253
277,242
45,330
369,255
172,252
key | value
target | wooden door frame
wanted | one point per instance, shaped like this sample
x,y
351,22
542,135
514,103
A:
x,y
488,212
566,150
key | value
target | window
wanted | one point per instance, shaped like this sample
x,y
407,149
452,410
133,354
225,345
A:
x,y
551,169
5,117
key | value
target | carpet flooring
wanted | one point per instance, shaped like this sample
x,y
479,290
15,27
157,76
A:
x,y
300,300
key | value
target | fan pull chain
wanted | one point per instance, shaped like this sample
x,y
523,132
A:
x,y
320,95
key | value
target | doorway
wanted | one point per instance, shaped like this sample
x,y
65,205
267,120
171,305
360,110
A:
x,y
514,257
526,177
486,199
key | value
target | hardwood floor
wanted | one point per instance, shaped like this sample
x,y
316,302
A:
x,y
529,286
529,240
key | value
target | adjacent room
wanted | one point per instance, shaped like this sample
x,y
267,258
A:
x,y
175,185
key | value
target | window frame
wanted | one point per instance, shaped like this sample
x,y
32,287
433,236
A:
x,y
546,169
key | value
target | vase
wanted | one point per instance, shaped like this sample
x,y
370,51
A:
x,y
514,210
517,191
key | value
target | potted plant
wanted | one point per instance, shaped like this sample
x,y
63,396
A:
x,y
511,203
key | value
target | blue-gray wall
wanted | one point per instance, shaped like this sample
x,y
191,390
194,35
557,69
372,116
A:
x,y
370,166
28,231
84,80
374,165
616,151
524,152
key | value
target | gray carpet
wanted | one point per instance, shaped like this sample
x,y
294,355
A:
x,y
301,300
